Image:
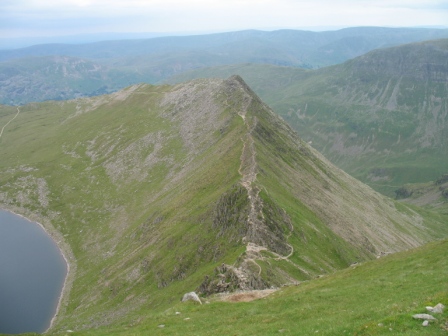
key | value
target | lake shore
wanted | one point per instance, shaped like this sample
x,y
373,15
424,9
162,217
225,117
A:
x,y
64,250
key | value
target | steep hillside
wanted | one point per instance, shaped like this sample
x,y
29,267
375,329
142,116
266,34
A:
x,y
24,73
158,190
382,116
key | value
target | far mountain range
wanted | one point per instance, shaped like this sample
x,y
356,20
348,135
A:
x,y
368,101
65,71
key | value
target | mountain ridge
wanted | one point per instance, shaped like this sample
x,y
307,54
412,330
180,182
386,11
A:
x,y
160,190
381,116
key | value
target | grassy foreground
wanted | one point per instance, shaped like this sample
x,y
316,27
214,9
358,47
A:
x,y
375,298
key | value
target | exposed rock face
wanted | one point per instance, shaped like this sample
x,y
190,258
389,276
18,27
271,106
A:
x,y
229,278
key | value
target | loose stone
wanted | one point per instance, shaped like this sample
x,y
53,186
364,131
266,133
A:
x,y
192,296
424,317
438,309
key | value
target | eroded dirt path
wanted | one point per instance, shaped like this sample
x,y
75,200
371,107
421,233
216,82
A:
x,y
3,128
248,172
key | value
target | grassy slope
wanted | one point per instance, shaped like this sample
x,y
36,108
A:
x,y
119,228
133,183
382,117
375,298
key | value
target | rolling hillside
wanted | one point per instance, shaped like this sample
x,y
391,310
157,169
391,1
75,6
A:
x,y
155,191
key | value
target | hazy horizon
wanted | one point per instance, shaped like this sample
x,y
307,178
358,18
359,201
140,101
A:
x,y
45,18
23,42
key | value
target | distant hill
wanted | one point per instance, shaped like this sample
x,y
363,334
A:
x,y
127,62
155,191
50,78
382,116
432,195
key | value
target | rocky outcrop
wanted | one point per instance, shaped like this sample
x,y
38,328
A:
x,y
229,278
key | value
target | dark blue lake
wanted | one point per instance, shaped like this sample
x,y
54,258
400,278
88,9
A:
x,y
32,275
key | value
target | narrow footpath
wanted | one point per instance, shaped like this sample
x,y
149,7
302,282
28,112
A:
x,y
3,128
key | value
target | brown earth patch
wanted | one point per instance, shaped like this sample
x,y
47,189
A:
x,y
247,296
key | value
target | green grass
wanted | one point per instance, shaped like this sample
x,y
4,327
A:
x,y
375,298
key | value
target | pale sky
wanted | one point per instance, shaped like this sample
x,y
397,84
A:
x,y
67,17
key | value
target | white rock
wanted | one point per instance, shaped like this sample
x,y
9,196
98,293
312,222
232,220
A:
x,y
438,309
177,313
425,323
430,309
161,326
192,296
424,317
